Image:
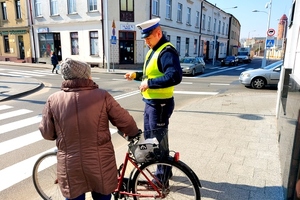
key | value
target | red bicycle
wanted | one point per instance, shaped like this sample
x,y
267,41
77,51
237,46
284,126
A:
x,y
151,178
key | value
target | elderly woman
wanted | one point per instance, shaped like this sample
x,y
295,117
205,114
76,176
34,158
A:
x,y
78,117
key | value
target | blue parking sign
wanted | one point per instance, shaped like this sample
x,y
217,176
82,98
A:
x,y
270,42
113,39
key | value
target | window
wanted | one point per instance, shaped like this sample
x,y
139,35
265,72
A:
x,y
187,46
219,27
37,8
179,12
188,21
94,43
4,12
74,43
203,21
155,7
215,25
169,9
53,7
126,12
178,44
6,44
197,18
72,6
208,23
223,28
168,38
92,5
195,46
46,44
18,9
226,29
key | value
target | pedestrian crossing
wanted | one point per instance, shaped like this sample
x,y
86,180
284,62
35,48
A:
x,y
25,73
23,121
237,69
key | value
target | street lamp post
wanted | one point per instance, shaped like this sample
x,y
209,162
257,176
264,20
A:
x,y
248,40
215,36
268,5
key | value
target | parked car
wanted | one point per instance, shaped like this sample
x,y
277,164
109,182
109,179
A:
x,y
259,78
230,60
192,65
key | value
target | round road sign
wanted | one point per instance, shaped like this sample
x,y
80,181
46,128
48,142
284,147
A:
x,y
271,32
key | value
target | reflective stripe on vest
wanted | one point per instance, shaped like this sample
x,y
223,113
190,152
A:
x,y
151,71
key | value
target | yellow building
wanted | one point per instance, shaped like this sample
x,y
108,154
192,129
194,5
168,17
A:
x,y
15,27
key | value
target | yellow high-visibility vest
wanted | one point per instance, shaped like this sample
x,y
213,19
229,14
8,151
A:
x,y
151,71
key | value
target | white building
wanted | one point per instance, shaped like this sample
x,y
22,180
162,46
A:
x,y
288,105
104,31
70,28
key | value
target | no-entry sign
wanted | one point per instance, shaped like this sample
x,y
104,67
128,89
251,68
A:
x,y
271,32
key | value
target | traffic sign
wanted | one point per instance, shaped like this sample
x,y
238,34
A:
x,y
271,32
270,42
113,39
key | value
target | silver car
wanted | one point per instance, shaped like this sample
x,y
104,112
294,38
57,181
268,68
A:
x,y
192,65
259,78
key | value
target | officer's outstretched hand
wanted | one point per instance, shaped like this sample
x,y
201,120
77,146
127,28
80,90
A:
x,y
130,75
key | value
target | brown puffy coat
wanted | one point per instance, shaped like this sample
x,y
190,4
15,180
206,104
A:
x,y
78,119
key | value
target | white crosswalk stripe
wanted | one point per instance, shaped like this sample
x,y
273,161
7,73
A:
x,y
21,170
26,73
14,113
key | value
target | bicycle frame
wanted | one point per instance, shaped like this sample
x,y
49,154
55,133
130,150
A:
x,y
122,174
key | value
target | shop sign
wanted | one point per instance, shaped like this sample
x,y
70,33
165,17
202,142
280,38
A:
x,y
126,27
13,32
43,30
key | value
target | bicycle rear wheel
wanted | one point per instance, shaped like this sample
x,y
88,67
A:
x,y
180,182
45,178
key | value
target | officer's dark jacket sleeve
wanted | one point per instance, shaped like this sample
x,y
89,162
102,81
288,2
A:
x,y
169,65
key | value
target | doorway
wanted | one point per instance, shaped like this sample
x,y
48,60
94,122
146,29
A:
x,y
126,46
21,47
57,45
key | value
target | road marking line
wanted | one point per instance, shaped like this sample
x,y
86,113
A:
x,y
20,124
13,75
19,171
227,69
198,93
14,113
19,142
127,94
23,73
187,83
4,107
219,84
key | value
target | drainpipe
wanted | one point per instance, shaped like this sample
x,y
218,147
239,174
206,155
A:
x,y
107,40
200,34
103,45
32,29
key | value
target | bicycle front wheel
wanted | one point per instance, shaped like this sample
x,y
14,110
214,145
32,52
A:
x,y
44,176
172,180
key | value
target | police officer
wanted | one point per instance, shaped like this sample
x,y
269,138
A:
x,y
161,72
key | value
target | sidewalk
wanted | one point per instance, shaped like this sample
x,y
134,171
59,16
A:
x,y
229,140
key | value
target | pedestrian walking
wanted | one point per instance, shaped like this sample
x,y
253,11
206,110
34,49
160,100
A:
x,y
78,117
54,62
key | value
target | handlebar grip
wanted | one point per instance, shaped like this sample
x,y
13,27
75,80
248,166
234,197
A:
x,y
129,138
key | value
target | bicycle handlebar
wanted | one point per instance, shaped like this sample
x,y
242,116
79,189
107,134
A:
x,y
130,138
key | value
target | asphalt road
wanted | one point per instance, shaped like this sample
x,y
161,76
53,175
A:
x,y
22,144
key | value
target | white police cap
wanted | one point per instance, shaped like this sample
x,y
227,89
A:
x,y
148,26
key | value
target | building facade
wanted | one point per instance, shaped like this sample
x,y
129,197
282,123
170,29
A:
x,y
288,105
15,40
103,33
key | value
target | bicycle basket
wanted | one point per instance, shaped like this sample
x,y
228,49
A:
x,y
156,147
142,150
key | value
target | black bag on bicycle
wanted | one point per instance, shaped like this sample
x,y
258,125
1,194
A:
x,y
154,147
